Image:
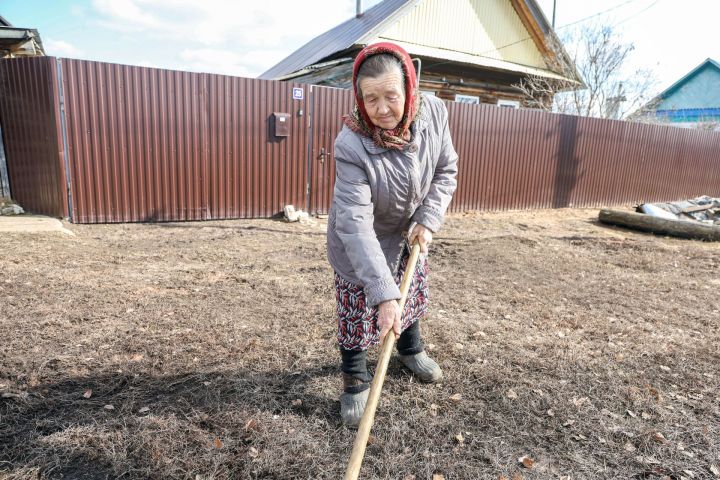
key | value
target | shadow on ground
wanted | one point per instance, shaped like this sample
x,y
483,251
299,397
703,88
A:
x,y
131,424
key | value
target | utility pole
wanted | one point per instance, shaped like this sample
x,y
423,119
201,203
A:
x,y
553,20
612,108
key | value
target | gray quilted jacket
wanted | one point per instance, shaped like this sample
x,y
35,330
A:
x,y
379,193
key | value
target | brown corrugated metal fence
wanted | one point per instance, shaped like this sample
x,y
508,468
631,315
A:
x,y
30,118
328,107
519,159
161,145
136,140
254,173
145,144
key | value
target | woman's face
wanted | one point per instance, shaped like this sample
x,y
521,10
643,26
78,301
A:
x,y
384,98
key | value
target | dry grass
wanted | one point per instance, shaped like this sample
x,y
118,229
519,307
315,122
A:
x,y
591,350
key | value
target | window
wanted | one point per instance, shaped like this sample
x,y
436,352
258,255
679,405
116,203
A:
x,y
467,99
508,103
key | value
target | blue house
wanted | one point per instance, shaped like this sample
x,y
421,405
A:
x,y
690,102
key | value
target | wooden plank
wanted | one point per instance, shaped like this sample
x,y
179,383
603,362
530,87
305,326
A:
x,y
697,208
532,27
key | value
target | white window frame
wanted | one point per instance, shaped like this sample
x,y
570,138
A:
x,y
472,100
508,103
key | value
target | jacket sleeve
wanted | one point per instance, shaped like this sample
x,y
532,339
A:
x,y
431,212
354,225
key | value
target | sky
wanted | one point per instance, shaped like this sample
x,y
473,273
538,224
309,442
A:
x,y
245,38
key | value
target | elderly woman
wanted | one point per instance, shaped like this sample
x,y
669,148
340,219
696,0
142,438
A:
x,y
396,169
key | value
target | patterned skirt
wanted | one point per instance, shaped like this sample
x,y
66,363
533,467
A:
x,y
357,322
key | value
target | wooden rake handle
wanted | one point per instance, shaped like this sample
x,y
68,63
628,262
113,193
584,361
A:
x,y
366,423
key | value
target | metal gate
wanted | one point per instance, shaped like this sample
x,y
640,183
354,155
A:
x,y
30,116
328,105
159,145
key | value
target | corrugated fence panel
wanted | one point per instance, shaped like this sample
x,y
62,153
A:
x,y
159,145
253,172
617,162
328,107
29,113
136,140
519,159
146,144
498,171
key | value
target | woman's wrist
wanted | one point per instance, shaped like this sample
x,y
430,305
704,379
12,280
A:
x,y
387,303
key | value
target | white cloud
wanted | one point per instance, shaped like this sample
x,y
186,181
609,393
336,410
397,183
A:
x,y
127,12
223,36
61,48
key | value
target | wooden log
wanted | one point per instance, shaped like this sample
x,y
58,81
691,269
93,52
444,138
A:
x,y
661,226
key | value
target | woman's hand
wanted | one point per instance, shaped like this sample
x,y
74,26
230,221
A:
x,y
423,235
389,318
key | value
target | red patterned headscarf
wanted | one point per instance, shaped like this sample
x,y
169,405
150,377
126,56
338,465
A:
x,y
359,121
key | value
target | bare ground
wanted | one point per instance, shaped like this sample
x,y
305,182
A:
x,y
206,350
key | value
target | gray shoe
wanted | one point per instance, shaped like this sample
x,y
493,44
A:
x,y
424,367
352,407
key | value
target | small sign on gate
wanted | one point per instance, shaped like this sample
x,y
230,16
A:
x,y
298,93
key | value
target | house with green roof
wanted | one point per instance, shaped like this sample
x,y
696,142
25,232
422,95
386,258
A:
x,y
692,101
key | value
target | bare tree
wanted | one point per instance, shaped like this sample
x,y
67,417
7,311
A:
x,y
599,59
708,125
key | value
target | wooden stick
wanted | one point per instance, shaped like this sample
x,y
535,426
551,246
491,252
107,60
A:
x,y
363,433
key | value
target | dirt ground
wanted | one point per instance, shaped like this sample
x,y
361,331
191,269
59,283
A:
x,y
207,351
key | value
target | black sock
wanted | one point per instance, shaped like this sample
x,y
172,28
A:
x,y
409,342
354,363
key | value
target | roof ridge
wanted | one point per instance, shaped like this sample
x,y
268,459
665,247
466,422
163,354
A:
x,y
690,74
341,37
360,31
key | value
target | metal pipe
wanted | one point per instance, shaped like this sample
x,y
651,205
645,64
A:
x,y
358,9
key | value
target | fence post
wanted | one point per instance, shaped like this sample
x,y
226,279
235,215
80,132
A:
x,y
4,178
309,101
64,139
